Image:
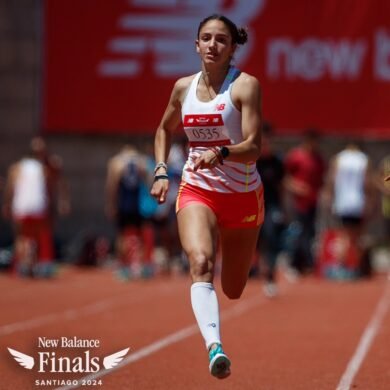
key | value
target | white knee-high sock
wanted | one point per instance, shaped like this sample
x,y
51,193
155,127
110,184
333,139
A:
x,y
205,306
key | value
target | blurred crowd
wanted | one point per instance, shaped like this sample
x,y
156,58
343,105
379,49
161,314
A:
x,y
316,219
318,212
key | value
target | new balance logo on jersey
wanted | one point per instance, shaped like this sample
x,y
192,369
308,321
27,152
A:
x,y
220,107
201,120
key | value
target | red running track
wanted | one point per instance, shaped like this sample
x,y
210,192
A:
x,y
315,335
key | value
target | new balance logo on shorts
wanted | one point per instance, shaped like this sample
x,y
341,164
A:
x,y
249,218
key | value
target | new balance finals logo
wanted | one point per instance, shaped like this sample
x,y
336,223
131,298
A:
x,y
53,362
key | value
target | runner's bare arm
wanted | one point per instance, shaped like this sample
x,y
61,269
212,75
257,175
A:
x,y
162,143
247,96
170,120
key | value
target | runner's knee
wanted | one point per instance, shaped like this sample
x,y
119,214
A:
x,y
201,264
232,292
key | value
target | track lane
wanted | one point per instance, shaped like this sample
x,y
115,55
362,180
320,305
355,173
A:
x,y
301,348
302,340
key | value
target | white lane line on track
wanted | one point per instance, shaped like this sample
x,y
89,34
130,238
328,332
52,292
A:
x,y
50,318
72,314
24,286
366,340
173,338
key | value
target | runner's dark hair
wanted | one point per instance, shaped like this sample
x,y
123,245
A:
x,y
239,34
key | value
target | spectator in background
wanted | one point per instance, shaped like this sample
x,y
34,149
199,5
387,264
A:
x,y
32,189
165,218
349,193
382,181
57,185
305,169
271,169
148,209
127,173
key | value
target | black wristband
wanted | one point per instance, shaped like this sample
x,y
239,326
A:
x,y
217,152
158,177
224,151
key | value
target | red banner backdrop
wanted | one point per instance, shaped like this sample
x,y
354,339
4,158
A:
x,y
109,66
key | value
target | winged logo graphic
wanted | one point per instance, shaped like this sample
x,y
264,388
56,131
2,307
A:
x,y
113,360
24,360
109,361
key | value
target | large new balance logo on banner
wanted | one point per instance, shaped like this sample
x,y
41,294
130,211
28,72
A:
x,y
164,31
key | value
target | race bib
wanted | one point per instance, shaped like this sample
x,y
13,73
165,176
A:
x,y
205,129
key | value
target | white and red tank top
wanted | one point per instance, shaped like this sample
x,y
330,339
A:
x,y
216,123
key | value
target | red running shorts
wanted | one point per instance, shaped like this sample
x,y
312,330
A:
x,y
233,210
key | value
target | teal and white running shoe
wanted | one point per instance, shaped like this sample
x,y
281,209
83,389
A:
x,y
219,363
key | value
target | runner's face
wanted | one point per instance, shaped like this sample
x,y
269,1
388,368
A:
x,y
215,43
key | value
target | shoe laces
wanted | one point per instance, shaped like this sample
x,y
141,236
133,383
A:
x,y
217,350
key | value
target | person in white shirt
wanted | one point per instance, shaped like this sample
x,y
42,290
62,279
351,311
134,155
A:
x,y
348,194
